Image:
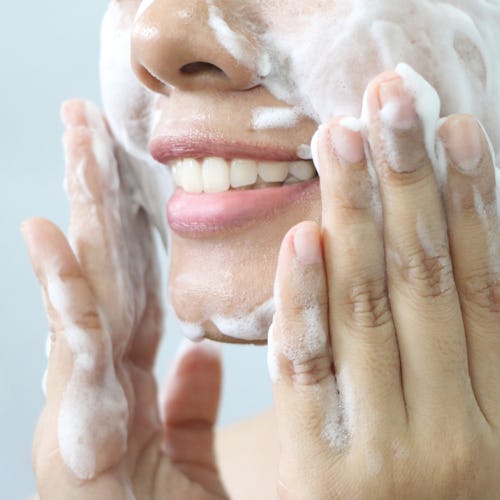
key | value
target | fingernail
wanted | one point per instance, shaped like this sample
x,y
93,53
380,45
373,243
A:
x,y
462,140
307,245
347,141
397,105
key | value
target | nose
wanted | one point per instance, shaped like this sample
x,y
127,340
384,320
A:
x,y
192,46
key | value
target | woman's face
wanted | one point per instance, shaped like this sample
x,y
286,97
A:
x,y
220,90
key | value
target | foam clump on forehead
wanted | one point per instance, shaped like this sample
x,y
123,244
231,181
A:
x,y
326,64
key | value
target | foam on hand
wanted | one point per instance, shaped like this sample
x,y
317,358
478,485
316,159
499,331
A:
x,y
93,413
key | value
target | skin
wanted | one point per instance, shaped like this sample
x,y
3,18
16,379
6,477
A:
x,y
404,327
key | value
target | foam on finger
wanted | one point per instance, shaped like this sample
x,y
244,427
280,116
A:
x,y
93,413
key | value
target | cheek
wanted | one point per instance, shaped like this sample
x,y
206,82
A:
x,y
324,60
129,107
131,112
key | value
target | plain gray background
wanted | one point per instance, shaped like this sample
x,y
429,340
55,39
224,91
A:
x,y
49,52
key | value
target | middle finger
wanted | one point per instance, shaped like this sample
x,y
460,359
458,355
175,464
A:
x,y
423,296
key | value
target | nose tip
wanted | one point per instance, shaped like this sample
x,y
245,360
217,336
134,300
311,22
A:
x,y
191,49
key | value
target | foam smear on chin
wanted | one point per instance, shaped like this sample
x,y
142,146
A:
x,y
250,326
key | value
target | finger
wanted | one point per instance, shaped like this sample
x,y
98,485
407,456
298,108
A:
x,y
68,301
83,393
111,235
190,405
95,231
424,298
309,412
471,207
363,336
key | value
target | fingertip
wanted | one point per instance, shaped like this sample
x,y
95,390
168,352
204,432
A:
x,y
204,349
462,136
34,230
307,243
72,112
194,357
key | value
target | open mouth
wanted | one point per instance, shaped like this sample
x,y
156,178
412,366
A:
x,y
218,175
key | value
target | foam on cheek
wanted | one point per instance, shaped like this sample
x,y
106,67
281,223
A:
x,y
265,118
452,44
144,5
236,44
93,411
131,112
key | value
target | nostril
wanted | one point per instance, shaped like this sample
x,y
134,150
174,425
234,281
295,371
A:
x,y
200,67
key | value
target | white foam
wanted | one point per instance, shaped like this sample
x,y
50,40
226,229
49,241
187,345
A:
x,y
486,214
304,152
143,6
94,410
338,428
351,123
273,366
265,118
131,112
314,149
249,326
310,343
192,331
235,43
428,107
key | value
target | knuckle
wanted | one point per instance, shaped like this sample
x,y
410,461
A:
x,y
304,354
482,290
461,464
310,371
428,275
87,320
368,303
292,312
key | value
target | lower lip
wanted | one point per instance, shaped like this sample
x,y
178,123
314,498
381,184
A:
x,y
196,215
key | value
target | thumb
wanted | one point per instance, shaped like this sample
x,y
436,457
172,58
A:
x,y
190,406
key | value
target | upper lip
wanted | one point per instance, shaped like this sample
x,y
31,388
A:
x,y
164,149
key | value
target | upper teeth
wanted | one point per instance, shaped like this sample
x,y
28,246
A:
x,y
215,175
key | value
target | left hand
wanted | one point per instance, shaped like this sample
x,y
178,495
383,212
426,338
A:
x,y
385,346
100,435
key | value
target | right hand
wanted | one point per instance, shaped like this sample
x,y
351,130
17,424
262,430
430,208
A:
x,y
100,435
385,347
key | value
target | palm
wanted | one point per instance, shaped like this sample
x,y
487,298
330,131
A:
x,y
110,313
